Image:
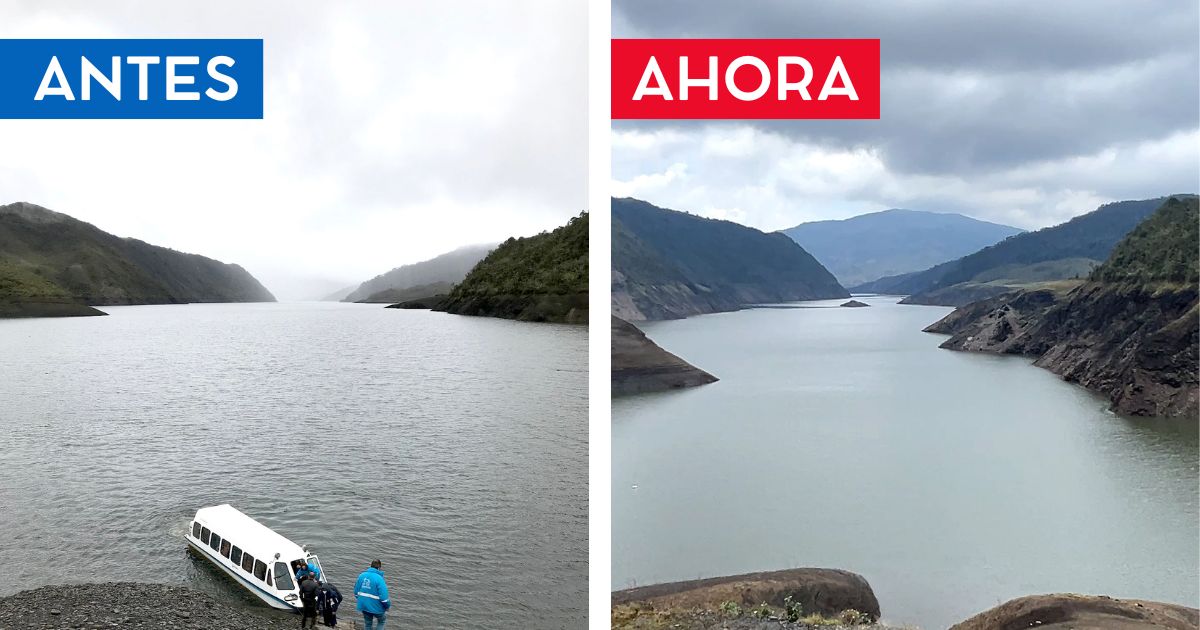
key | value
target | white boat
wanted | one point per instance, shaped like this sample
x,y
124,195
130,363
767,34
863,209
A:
x,y
253,554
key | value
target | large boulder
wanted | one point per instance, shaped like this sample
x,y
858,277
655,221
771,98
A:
x,y
1067,611
823,591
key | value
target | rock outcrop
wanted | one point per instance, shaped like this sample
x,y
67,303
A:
x,y
998,324
639,365
1130,332
1074,612
826,592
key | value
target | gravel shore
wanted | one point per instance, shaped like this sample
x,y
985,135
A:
x,y
134,605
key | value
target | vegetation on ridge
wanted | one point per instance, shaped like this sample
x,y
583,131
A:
x,y
1163,248
535,278
50,258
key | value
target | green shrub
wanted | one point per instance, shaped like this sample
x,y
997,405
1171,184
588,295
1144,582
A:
x,y
792,610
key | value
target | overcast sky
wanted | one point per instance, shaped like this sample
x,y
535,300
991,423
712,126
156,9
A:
x,y
1024,113
392,132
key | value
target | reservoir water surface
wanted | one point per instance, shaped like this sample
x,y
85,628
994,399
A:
x,y
453,448
845,438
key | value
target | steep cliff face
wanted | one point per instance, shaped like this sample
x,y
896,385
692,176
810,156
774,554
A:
x,y
1131,332
639,365
669,265
48,258
542,278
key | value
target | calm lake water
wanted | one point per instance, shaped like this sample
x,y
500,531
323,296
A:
x,y
842,437
454,448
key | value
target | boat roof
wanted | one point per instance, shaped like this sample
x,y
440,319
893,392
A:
x,y
245,532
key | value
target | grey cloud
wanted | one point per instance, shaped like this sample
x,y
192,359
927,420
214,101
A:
x,y
471,126
972,87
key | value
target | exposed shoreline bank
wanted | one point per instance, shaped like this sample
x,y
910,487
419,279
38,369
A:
x,y
831,599
139,605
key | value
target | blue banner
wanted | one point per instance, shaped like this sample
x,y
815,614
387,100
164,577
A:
x,y
131,78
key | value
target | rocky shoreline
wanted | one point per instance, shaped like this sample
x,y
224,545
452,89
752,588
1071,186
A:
x,y
138,605
14,310
832,599
639,365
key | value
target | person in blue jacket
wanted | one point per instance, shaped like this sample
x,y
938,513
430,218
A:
x,y
371,592
302,569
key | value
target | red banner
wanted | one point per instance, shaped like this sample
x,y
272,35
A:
x,y
745,78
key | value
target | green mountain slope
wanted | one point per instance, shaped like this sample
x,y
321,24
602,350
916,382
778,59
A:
x,y
1090,236
542,278
669,264
1164,248
1130,332
448,268
892,242
50,258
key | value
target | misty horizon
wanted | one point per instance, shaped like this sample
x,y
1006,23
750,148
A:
x,y
352,148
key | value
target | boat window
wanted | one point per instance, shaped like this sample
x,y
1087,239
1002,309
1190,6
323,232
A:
x,y
283,577
260,570
236,555
268,578
195,530
204,535
215,542
247,562
225,548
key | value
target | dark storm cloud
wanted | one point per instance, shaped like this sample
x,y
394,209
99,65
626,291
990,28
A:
x,y
971,87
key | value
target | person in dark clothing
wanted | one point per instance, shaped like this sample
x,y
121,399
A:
x,y
308,599
328,600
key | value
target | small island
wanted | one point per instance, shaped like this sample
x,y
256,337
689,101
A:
x,y
855,304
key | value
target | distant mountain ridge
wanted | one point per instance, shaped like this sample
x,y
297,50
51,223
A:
x,y
1088,237
880,244
449,268
421,291
1130,331
50,258
540,278
668,264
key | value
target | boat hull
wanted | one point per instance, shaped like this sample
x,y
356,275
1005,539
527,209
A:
x,y
268,598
